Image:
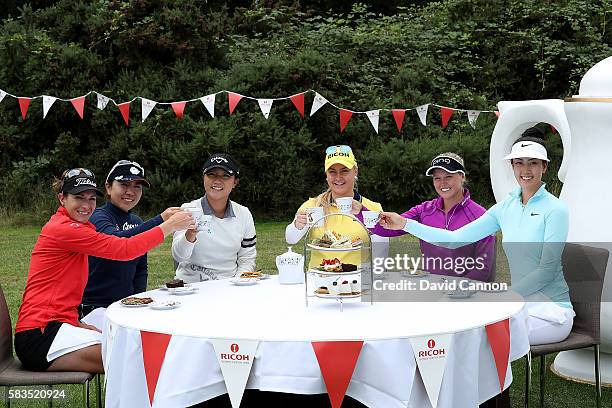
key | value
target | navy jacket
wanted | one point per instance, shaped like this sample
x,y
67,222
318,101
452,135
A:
x,y
110,280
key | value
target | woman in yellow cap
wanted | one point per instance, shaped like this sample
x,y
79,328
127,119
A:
x,y
341,174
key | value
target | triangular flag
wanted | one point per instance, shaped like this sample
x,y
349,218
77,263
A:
x,y
374,116
79,105
23,105
398,115
446,115
298,101
422,111
337,360
499,338
3,94
317,102
147,106
234,98
235,359
178,108
154,346
497,114
431,354
48,101
265,105
472,116
102,101
124,108
345,116
209,103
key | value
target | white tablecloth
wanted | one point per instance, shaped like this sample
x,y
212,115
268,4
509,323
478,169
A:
x,y
276,315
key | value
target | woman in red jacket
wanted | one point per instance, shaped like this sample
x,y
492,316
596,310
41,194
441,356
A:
x,y
48,334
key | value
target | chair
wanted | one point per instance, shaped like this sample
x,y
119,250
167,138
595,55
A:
x,y
12,374
584,268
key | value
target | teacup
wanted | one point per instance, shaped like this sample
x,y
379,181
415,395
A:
x,y
314,216
345,204
370,218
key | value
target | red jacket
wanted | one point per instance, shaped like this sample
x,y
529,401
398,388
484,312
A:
x,y
59,267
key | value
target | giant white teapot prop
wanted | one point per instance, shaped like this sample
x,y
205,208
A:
x,y
290,267
584,123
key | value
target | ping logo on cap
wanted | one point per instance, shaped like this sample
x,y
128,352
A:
x,y
441,160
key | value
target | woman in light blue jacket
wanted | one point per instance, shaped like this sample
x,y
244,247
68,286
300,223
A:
x,y
534,224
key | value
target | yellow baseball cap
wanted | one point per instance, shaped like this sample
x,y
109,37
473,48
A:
x,y
342,154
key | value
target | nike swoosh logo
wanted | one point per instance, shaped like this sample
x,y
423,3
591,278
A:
x,y
533,214
525,145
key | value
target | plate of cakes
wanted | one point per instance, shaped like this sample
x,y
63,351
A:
x,y
335,267
333,241
134,301
176,283
341,288
239,281
255,274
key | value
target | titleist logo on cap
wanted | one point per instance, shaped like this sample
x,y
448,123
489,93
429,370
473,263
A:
x,y
84,181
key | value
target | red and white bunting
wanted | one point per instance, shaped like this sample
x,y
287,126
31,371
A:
x,y
345,116
337,361
79,105
374,116
431,354
178,108
48,101
422,112
472,117
317,102
233,98
154,346
499,339
24,103
2,95
446,115
265,105
235,359
398,115
147,106
102,101
298,101
124,108
209,103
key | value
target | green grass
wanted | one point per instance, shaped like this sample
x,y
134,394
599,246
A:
x,y
16,243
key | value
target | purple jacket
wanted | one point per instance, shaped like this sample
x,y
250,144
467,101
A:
x,y
432,213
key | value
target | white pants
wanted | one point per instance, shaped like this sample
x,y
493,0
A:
x,y
548,322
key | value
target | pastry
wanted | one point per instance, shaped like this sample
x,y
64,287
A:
x,y
331,265
355,287
322,290
175,283
348,267
345,288
334,289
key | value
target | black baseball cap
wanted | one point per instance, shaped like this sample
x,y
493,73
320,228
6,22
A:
x,y
78,180
222,161
446,163
128,171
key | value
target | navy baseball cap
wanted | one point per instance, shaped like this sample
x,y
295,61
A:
x,y
222,161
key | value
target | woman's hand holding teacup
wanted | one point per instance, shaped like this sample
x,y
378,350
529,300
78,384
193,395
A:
x,y
300,219
392,221
169,212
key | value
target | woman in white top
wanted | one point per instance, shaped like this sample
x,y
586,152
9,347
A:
x,y
224,242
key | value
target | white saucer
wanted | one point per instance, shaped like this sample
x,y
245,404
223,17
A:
x,y
182,290
244,281
165,305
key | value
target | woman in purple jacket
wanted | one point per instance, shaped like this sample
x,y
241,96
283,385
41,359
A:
x,y
451,210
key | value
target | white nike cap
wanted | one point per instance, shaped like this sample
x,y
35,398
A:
x,y
527,149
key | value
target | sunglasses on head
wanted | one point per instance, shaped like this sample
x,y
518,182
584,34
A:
x,y
77,172
340,148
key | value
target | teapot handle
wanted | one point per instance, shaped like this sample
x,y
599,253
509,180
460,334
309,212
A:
x,y
516,117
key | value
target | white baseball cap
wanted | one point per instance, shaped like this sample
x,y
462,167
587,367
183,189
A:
x,y
527,149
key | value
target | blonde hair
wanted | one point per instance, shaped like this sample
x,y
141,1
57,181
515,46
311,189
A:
x,y
454,156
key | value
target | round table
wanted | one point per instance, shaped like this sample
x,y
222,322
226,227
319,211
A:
x,y
276,315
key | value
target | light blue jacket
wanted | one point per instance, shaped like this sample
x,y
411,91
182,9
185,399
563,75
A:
x,y
534,236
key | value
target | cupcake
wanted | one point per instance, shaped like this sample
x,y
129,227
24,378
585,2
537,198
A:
x,y
345,288
355,287
334,289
